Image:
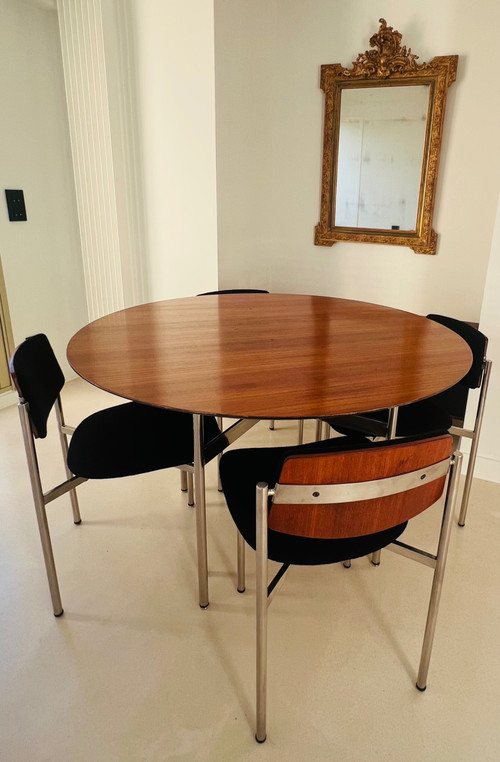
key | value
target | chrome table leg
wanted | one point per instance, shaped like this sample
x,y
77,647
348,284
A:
x,y
201,514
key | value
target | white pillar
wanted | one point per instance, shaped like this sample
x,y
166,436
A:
x,y
84,63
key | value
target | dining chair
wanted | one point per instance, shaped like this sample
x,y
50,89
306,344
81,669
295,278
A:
x,y
442,412
332,502
122,440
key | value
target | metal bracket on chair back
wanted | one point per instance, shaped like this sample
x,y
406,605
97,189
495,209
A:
x,y
299,494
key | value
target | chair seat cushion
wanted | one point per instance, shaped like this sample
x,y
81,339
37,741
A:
x,y
241,470
423,418
133,439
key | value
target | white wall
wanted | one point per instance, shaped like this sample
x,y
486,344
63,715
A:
x,y
174,47
269,143
40,257
488,463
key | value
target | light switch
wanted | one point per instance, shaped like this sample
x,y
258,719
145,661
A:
x,y
15,205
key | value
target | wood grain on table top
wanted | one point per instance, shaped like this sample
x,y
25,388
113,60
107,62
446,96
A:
x,y
268,355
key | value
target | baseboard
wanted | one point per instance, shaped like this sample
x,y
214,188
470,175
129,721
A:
x,y
487,469
7,399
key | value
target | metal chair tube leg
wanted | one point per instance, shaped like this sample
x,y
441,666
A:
x,y
184,481
241,563
392,423
474,444
219,456
190,488
41,514
201,514
317,434
219,482
261,610
301,432
437,582
64,445
271,424
375,557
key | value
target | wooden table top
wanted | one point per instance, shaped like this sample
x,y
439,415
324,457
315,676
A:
x,y
268,355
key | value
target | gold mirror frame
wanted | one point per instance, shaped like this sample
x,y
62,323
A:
x,y
390,64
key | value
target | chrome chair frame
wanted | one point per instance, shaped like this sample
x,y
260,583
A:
x,y
295,494
42,499
473,434
388,431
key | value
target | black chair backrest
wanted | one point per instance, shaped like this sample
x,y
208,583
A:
x,y
38,379
454,400
476,340
379,503
235,291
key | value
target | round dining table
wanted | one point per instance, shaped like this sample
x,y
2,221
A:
x,y
256,356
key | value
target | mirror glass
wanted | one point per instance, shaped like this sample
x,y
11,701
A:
x,y
382,131
380,156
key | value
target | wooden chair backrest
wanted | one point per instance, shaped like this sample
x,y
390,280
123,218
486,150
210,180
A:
x,y
355,519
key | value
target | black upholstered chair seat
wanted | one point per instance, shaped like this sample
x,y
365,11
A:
x,y
241,470
424,416
133,439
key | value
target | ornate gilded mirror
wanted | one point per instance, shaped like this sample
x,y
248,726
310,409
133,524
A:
x,y
381,145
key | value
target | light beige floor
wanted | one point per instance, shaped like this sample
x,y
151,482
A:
x,y
134,670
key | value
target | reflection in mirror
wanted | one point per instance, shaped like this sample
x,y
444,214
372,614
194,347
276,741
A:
x,y
380,154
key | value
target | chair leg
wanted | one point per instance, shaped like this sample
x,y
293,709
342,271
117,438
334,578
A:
x,y
219,482
437,582
271,424
468,482
301,432
41,513
184,481
48,556
375,558
474,445
190,488
241,562
261,611
319,430
392,423
77,519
